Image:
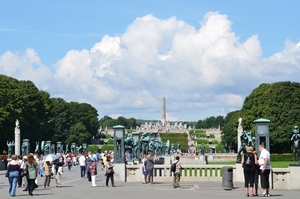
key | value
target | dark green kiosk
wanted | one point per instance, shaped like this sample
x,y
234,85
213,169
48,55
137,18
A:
x,y
119,153
262,134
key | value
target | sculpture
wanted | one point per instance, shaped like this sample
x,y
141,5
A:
x,y
144,143
296,148
167,148
135,149
78,148
244,143
10,145
128,143
17,124
202,148
37,147
23,149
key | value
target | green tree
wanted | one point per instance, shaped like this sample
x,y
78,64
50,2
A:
x,y
78,134
229,130
280,103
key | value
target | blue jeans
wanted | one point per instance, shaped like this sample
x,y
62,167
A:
x,y
13,181
82,171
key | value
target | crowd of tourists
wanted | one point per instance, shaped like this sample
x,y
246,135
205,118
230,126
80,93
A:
x,y
24,172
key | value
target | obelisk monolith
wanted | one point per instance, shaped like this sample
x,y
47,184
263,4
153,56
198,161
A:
x,y
17,138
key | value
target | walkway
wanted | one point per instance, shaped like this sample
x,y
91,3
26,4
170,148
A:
x,y
74,187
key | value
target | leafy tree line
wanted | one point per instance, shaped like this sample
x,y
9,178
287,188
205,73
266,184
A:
x,y
279,102
42,117
210,122
109,122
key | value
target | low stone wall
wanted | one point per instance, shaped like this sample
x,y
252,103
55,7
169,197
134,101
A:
x,y
280,178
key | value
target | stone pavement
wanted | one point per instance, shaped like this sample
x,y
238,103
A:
x,y
74,187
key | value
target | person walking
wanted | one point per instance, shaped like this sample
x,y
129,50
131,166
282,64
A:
x,y
31,168
88,171
109,171
144,169
150,166
249,160
22,176
82,164
4,159
93,171
177,173
57,164
264,167
47,167
13,168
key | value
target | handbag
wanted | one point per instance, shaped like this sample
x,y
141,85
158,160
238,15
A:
x,y
110,171
7,174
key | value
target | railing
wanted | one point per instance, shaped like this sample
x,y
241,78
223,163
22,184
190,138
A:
x,y
190,172
280,178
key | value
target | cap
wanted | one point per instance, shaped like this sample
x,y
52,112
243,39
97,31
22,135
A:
x,y
25,157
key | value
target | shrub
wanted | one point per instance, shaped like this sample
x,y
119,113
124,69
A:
x,y
215,142
110,142
220,148
202,141
212,136
107,147
282,157
92,148
107,136
101,142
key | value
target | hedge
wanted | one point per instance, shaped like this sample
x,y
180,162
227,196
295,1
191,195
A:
x,y
176,138
92,148
107,147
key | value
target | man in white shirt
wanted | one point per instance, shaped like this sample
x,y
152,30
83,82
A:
x,y
264,163
82,164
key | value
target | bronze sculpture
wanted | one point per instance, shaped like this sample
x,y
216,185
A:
x,y
296,148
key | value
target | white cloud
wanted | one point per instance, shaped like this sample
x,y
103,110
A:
x,y
26,66
200,71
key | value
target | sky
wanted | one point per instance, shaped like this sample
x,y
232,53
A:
x,y
123,56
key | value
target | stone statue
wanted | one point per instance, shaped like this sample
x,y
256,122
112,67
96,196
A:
x,y
167,148
239,132
244,143
128,143
10,145
78,148
23,149
296,148
17,124
144,147
202,148
37,147
135,149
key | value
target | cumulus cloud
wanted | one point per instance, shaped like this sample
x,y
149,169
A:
x,y
202,72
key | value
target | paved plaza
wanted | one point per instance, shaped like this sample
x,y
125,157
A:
x,y
74,187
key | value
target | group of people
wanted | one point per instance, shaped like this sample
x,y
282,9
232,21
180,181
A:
x,y
24,172
19,168
253,168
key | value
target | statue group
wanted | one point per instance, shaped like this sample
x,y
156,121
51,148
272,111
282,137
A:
x,y
246,140
148,142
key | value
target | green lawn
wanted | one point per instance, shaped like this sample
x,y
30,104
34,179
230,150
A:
x,y
273,164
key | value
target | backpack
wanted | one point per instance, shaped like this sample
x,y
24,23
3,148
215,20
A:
x,y
173,167
248,161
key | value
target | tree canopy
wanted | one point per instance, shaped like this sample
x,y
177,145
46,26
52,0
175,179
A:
x,y
278,102
42,117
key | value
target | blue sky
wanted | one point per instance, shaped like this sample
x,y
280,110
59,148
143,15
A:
x,y
123,56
